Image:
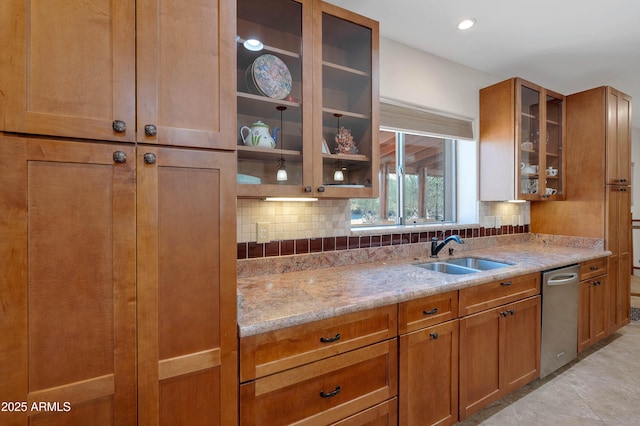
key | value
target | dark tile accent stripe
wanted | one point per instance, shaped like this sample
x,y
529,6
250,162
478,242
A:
x,y
253,250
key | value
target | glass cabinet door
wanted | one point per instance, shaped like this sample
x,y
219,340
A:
x,y
347,126
531,146
273,59
553,174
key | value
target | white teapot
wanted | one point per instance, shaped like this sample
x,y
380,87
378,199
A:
x,y
258,135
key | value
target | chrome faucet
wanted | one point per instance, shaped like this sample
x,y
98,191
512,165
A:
x,y
435,247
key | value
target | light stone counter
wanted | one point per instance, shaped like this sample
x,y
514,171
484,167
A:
x,y
270,302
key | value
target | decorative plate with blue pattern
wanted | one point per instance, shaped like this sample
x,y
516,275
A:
x,y
271,76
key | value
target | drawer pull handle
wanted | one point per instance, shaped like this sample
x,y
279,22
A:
x,y
431,312
330,339
594,268
330,394
506,283
434,336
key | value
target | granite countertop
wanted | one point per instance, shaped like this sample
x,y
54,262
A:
x,y
271,302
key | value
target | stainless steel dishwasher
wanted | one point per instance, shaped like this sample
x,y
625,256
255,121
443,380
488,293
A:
x,y
559,339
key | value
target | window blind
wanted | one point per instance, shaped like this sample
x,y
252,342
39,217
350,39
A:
x,y
407,118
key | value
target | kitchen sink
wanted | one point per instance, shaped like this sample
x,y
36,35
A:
x,y
476,263
464,265
446,268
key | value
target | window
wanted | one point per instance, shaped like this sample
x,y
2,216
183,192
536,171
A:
x,y
417,182
418,157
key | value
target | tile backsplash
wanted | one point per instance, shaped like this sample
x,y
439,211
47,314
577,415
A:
x,y
331,218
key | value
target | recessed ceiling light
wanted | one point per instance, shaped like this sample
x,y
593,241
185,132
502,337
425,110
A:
x,y
466,24
253,45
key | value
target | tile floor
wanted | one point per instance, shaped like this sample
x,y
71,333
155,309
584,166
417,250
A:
x,y
602,387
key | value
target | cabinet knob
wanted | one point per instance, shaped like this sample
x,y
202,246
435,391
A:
x,y
321,189
594,268
622,189
150,158
511,311
434,335
150,130
431,312
330,339
307,189
330,394
504,313
119,126
623,180
119,157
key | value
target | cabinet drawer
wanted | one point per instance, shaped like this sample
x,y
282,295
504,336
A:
x,y
279,350
324,391
496,293
385,414
427,311
593,268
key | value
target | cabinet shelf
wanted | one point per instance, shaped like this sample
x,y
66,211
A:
x,y
273,49
348,157
346,69
345,113
261,153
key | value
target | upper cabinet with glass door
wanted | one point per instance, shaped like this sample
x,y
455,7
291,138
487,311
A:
x,y
312,76
274,97
346,102
521,123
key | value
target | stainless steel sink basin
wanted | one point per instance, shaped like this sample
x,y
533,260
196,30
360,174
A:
x,y
446,268
464,265
476,263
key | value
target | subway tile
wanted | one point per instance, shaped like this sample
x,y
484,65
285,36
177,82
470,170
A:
x,y
365,242
415,237
287,247
341,243
354,242
255,250
272,249
242,251
302,246
315,245
376,240
329,244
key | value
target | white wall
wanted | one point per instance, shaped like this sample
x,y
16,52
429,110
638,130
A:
x,y
412,76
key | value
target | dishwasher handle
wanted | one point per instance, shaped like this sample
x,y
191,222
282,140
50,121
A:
x,y
562,279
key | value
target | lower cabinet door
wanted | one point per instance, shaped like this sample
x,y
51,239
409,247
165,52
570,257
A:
x,y
324,391
520,341
428,391
479,361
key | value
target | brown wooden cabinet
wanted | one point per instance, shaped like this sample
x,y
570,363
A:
x,y
522,133
116,65
68,287
332,57
187,367
428,361
598,191
120,293
428,393
499,346
592,308
324,372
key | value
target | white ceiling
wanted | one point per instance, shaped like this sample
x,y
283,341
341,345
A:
x,y
563,45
